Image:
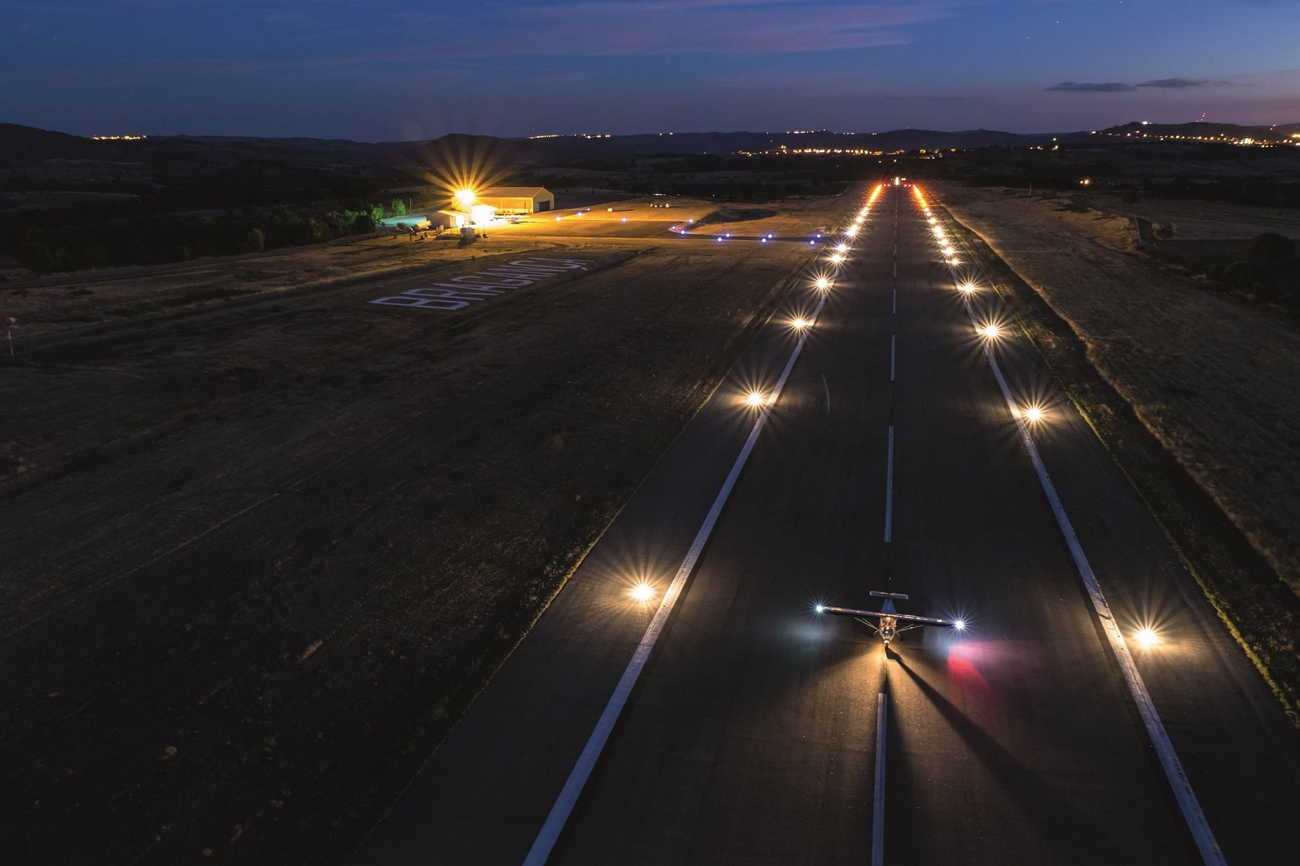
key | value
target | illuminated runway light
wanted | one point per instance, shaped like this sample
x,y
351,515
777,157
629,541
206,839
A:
x,y
1146,637
799,323
967,288
642,592
842,248
959,624
954,260
1032,414
851,230
822,284
819,608
757,399
837,259
991,331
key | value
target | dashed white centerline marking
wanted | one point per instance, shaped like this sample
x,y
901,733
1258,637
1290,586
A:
x,y
889,488
564,804
893,343
878,797
1188,804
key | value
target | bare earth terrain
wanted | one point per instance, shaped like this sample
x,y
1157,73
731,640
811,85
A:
x,y
263,538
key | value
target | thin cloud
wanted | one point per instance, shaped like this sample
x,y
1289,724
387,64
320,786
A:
x,y
1124,87
1091,87
1175,83
707,26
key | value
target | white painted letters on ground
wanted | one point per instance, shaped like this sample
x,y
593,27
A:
x,y
457,293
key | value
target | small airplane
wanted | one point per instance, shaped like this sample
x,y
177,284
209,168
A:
x,y
888,617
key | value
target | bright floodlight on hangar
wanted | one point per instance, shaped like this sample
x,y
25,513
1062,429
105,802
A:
x,y
517,199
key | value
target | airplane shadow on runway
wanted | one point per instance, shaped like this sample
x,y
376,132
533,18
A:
x,y
1076,835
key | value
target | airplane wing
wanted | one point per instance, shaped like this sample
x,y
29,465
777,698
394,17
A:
x,y
902,617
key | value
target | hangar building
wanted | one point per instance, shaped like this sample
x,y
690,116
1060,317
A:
x,y
518,199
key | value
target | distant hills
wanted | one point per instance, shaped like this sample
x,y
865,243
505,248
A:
x,y
26,144
1205,130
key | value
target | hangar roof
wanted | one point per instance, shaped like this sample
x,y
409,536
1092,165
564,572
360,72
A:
x,y
514,191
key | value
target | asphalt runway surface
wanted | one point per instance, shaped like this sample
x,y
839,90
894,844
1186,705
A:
x,y
754,733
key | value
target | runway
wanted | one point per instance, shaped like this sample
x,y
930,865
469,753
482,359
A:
x,y
755,731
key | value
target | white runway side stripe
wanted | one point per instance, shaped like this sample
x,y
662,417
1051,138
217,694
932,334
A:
x,y
564,804
1174,772
1197,823
878,798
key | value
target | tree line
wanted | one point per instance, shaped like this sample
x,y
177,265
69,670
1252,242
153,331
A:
x,y
50,241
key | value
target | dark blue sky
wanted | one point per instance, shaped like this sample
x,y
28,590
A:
x,y
384,70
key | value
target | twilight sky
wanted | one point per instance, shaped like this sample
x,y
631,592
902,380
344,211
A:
x,y
384,70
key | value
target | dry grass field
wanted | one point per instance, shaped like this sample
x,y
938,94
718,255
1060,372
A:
x,y
263,539
1203,219
1214,380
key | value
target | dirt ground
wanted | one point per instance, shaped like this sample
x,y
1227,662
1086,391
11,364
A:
x,y
261,546
1214,380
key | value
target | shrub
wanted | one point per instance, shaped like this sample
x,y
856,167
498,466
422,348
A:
x,y
1243,276
254,240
